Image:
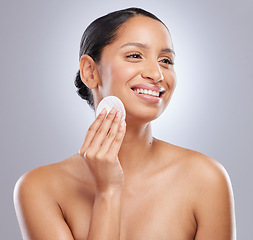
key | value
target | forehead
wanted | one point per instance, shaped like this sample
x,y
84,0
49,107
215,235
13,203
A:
x,y
146,30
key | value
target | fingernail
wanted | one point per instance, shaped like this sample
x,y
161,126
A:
x,y
123,123
119,113
113,110
103,111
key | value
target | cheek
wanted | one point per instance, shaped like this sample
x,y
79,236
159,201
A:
x,y
121,73
172,79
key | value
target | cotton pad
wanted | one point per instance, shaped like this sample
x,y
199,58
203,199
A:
x,y
108,103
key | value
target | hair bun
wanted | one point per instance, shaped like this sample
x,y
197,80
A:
x,y
83,91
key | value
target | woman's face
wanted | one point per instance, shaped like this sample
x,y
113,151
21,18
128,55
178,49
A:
x,y
138,68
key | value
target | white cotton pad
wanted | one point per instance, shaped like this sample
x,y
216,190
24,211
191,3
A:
x,y
108,103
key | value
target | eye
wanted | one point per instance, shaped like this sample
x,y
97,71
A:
x,y
134,55
167,61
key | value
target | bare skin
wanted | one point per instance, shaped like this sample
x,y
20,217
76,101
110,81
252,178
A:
x,y
125,184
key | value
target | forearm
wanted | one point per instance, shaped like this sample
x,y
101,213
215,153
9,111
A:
x,y
105,220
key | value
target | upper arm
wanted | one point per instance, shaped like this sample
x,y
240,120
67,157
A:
x,y
214,210
38,213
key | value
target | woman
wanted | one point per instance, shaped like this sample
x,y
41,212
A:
x,y
125,184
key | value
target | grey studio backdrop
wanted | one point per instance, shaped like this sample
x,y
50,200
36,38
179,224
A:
x,y
44,121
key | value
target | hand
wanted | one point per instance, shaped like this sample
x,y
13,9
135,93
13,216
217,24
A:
x,y
100,150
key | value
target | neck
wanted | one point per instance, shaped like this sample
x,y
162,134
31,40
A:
x,y
136,147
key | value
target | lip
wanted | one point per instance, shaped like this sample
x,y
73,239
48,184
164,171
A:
x,y
149,98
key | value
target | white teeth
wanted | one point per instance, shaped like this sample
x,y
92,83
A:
x,y
148,92
154,93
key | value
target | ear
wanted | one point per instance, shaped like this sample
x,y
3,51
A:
x,y
88,71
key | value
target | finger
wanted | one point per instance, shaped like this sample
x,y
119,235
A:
x,y
92,131
112,134
116,144
102,131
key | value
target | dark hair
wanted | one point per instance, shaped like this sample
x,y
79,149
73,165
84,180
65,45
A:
x,y
99,34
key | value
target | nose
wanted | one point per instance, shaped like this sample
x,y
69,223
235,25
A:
x,y
152,71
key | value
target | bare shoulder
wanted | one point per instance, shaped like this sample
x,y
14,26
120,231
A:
x,y
49,179
203,173
211,195
43,176
38,195
201,166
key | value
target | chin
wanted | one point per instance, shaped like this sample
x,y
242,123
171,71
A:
x,y
143,116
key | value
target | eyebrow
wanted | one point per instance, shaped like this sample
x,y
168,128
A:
x,y
141,45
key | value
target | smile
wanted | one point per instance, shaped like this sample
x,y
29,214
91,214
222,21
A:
x,y
147,92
